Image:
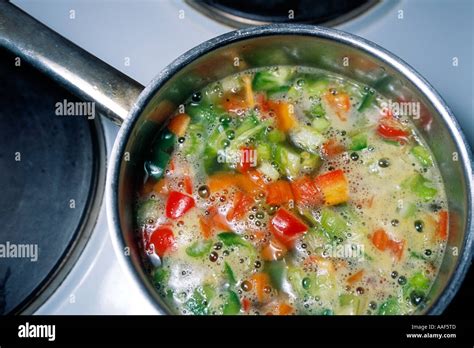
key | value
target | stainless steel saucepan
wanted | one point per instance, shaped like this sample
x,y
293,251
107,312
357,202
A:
x,y
141,113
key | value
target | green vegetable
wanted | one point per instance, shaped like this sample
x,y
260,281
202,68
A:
x,y
232,305
315,86
367,100
350,304
266,80
156,166
419,282
358,142
422,155
264,152
230,274
198,303
307,138
232,239
310,162
195,140
161,275
333,224
420,187
277,90
320,124
147,210
418,256
276,136
389,307
317,111
277,272
199,248
288,161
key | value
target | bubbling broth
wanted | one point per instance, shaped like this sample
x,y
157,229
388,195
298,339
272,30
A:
x,y
290,190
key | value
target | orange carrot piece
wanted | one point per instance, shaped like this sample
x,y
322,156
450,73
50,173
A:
x,y
332,148
355,277
285,115
260,282
340,102
284,309
442,230
279,192
206,228
188,185
242,205
179,124
305,191
334,187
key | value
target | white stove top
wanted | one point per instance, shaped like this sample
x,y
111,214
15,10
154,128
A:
x,y
150,34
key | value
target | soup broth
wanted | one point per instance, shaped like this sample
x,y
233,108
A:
x,y
290,190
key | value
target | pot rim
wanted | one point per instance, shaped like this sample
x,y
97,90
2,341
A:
x,y
351,40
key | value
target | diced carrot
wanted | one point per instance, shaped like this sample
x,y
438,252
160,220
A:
x,y
355,277
206,228
305,191
249,99
332,148
246,304
284,309
261,281
285,115
242,205
274,250
442,230
256,178
334,187
188,185
159,186
279,192
179,124
222,181
382,241
220,222
234,103
262,102
340,102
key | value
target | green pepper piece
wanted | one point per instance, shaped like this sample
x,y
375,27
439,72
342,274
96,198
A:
x,y
199,248
232,305
288,161
367,100
358,142
419,185
333,224
233,239
389,307
230,274
422,155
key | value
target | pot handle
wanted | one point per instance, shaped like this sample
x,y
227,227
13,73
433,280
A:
x,y
88,77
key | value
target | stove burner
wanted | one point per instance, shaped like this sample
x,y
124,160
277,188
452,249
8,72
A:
x,y
257,12
50,179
